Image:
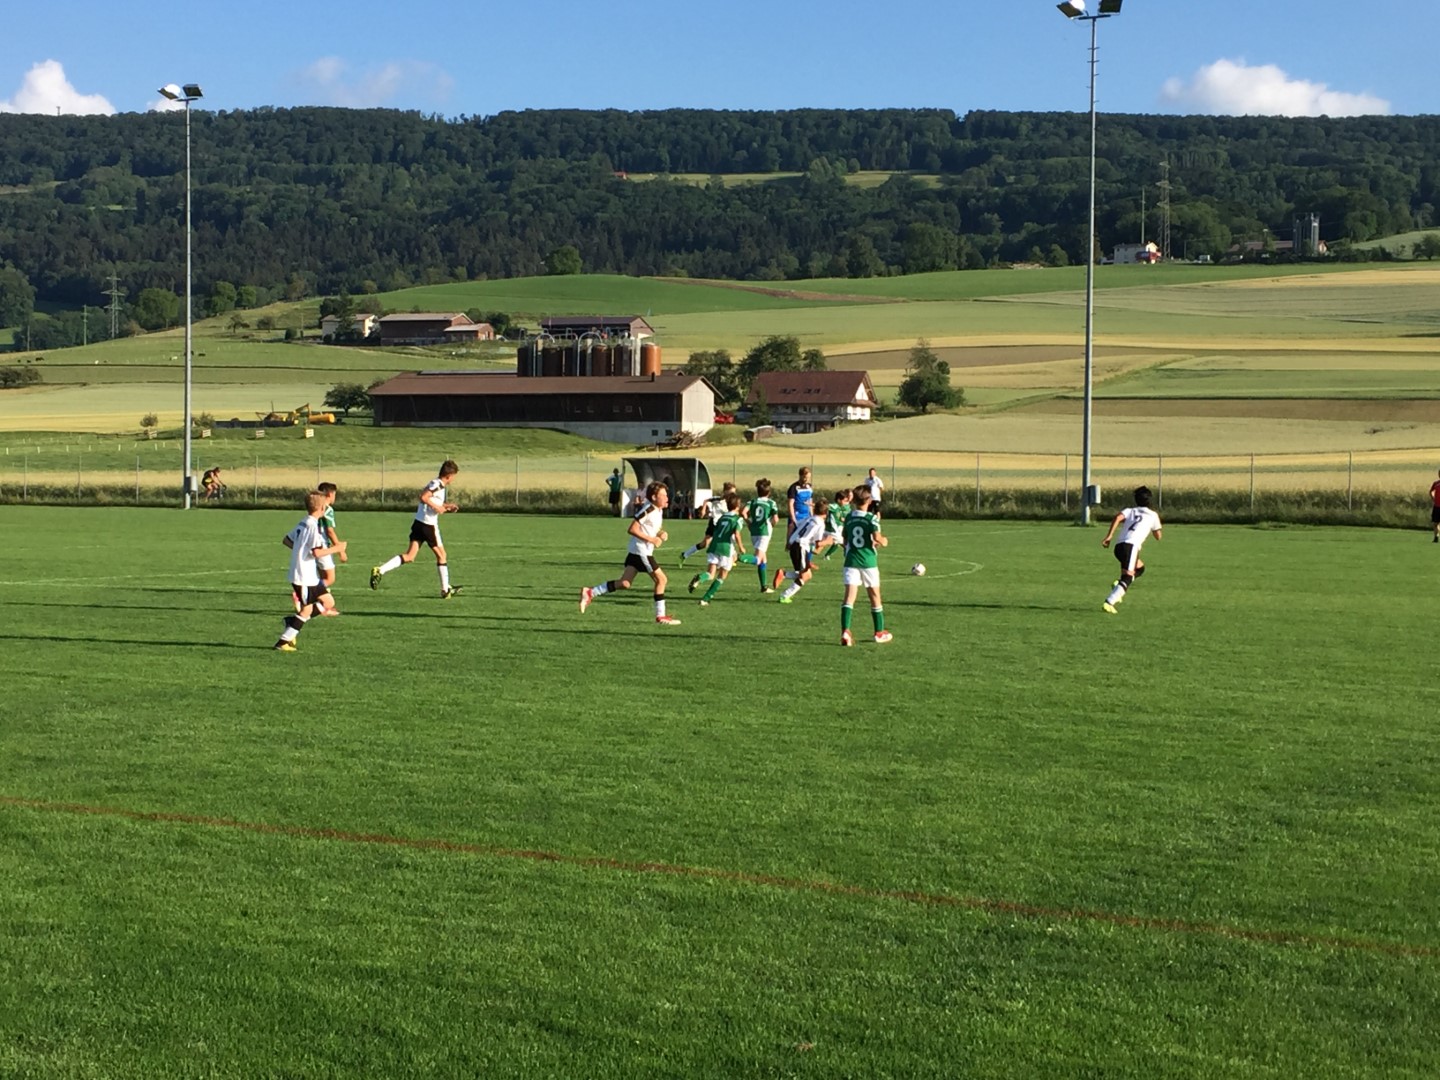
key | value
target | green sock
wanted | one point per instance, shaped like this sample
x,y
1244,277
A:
x,y
878,614
846,611
713,589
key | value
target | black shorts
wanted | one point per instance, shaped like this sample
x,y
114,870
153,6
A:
x,y
420,533
1435,515
709,529
614,498
310,594
1127,557
646,564
799,558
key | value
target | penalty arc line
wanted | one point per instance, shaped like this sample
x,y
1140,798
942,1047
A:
x,y
740,877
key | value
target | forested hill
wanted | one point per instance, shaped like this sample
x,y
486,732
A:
x,y
318,200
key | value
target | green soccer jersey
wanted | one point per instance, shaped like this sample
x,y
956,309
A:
x,y
835,517
859,531
722,537
760,512
327,521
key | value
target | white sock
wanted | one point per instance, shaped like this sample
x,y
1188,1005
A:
x,y
444,569
601,589
391,564
660,608
1116,595
691,550
793,589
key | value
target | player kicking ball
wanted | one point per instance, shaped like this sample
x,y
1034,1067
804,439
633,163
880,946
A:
x,y
646,534
1135,524
863,540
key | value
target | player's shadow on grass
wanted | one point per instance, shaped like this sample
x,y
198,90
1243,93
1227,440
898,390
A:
x,y
73,639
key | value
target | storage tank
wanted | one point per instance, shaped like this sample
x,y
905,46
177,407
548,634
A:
x,y
552,361
625,361
600,360
524,359
649,359
574,356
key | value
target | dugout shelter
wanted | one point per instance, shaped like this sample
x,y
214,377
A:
x,y
689,481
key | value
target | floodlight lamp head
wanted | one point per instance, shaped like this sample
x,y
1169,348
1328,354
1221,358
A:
x,y
192,90
1110,7
1072,9
171,91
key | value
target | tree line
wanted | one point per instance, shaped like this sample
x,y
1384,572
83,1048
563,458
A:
x,y
290,203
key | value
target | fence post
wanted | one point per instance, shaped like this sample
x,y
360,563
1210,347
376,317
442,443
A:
x,y
977,481
255,481
1350,484
1067,483
317,470
733,473
892,474
1160,483
78,458
137,479
587,476
1252,485
517,479
25,488
382,479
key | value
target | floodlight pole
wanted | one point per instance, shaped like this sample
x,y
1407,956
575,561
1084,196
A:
x,y
1085,448
190,92
1075,9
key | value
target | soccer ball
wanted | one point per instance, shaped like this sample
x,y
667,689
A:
x,y
918,569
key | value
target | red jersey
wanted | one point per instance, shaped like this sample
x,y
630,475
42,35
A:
x,y
1435,492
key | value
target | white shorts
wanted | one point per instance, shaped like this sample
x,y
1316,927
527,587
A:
x,y
760,544
835,537
721,562
325,562
869,576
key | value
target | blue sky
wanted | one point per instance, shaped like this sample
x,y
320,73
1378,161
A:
x,y
476,59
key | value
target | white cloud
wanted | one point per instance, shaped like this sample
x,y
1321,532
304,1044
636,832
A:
x,y
332,81
1235,88
45,89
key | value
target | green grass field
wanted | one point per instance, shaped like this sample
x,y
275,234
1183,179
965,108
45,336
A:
x,y
493,837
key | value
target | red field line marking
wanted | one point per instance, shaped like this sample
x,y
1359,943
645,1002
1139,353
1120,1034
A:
x,y
925,899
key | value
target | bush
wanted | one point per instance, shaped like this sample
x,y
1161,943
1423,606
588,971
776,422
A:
x,y
12,377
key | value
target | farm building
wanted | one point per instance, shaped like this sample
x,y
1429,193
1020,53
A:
x,y
806,401
615,408
616,326
421,327
362,325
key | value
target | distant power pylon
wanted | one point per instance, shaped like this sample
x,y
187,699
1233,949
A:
x,y
1165,208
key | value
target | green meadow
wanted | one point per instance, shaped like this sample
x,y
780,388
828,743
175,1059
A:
x,y
492,836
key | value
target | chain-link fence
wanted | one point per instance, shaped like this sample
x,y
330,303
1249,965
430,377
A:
x,y
149,473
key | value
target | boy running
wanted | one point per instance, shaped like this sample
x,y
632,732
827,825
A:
x,y
646,534
326,563
762,512
798,499
306,545
1135,523
863,540
725,547
714,511
802,548
425,529
834,519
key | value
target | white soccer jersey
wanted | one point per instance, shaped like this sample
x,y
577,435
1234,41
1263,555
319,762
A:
x,y
1139,522
807,534
306,538
651,519
715,507
425,513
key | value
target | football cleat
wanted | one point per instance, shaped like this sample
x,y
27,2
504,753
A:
x,y
704,603
285,646
683,556
787,599
587,594
766,590
694,583
667,620
375,576
882,636
1108,608
454,590
847,638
